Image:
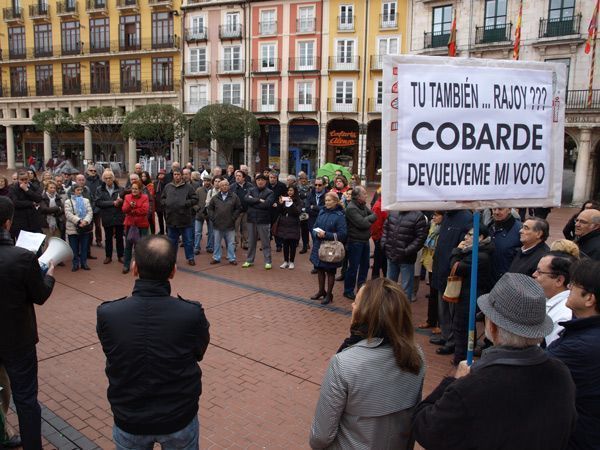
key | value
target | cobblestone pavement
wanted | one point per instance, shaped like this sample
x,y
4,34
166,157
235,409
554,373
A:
x,y
270,346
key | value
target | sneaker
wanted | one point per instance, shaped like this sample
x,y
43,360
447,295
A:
x,y
247,264
285,265
291,266
268,266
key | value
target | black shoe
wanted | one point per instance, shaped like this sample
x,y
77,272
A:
x,y
13,442
278,249
318,295
350,295
314,271
437,340
196,252
327,300
339,278
445,350
74,268
303,251
125,270
92,257
209,250
191,262
214,261
85,267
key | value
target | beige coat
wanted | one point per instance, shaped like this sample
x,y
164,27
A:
x,y
72,217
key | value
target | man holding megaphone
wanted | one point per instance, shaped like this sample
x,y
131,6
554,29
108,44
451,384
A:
x,y
23,285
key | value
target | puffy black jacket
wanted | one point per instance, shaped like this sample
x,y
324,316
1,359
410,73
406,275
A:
x,y
178,202
109,213
404,233
93,183
358,221
241,192
152,343
259,212
27,215
224,213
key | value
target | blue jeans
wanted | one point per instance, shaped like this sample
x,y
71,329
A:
x,y
22,368
79,245
198,226
185,439
187,236
407,271
229,236
358,263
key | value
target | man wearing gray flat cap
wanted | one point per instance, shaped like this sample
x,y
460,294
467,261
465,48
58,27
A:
x,y
515,396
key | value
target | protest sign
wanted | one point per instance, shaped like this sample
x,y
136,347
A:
x,y
463,133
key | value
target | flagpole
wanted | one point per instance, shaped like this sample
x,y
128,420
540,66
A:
x,y
590,88
517,46
473,293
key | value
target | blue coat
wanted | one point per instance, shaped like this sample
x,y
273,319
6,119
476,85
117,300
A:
x,y
507,243
331,221
579,348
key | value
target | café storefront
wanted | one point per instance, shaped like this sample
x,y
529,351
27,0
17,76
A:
x,y
342,143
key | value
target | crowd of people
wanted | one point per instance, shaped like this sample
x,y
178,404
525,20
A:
x,y
538,301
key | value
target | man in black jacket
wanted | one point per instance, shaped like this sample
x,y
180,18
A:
x,y
587,233
152,342
93,182
241,188
26,200
278,189
534,233
259,200
23,285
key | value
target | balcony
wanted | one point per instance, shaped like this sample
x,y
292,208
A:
x,y
12,15
552,28
74,48
161,4
134,87
306,25
197,69
270,106
266,65
375,105
102,46
388,21
195,106
377,62
345,23
102,87
305,104
344,63
305,64
231,66
493,34
17,53
196,34
436,39
43,52
267,28
162,86
96,7
72,89
18,91
578,99
44,90
342,104
128,5
233,31
165,42
40,11
67,9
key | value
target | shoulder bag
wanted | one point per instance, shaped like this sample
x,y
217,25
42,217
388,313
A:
x,y
453,286
332,251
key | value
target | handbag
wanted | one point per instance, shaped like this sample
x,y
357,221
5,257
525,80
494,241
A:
x,y
133,235
303,216
275,227
453,287
332,251
82,230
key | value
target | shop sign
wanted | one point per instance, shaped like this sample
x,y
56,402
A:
x,y
342,138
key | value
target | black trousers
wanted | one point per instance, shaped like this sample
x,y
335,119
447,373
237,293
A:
x,y
304,233
379,261
116,232
160,215
289,249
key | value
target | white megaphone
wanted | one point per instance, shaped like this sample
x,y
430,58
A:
x,y
58,251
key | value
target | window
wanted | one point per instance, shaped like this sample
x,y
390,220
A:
x,y
268,24
378,95
198,60
231,59
18,81
99,35
306,19
388,15
70,38
162,74
198,96
442,23
162,30
267,58
561,20
495,14
71,73
16,42
306,55
129,33
131,75
44,84
100,77
344,57
344,96
198,31
305,96
232,25
346,19
267,97
561,10
42,39
232,94
388,46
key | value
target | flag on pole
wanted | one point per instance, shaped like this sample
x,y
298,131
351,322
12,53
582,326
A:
x,y
517,46
592,28
452,40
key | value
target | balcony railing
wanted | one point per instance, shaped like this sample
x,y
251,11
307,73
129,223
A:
x,y
67,8
387,21
10,14
99,88
377,62
303,104
44,90
18,91
560,27
161,3
74,48
307,25
96,6
196,34
271,106
231,66
74,89
200,68
344,63
230,31
43,52
436,39
165,42
493,33
162,86
345,23
304,64
39,11
578,99
343,104
127,4
267,28
195,106
375,105
17,53
266,65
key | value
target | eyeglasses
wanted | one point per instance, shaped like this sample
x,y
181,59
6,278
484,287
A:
x,y
470,233
541,272
318,185
92,170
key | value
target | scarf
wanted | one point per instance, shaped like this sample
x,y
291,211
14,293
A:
x,y
357,334
80,208
50,217
434,233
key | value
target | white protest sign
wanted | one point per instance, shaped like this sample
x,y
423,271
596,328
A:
x,y
470,133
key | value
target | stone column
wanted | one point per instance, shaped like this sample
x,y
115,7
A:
x,y
362,151
47,147
10,148
284,154
322,145
213,153
581,167
131,155
589,189
185,149
88,152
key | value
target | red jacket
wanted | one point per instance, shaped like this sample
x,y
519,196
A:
x,y
377,226
136,215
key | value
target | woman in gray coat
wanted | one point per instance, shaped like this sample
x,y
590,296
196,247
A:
x,y
375,380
